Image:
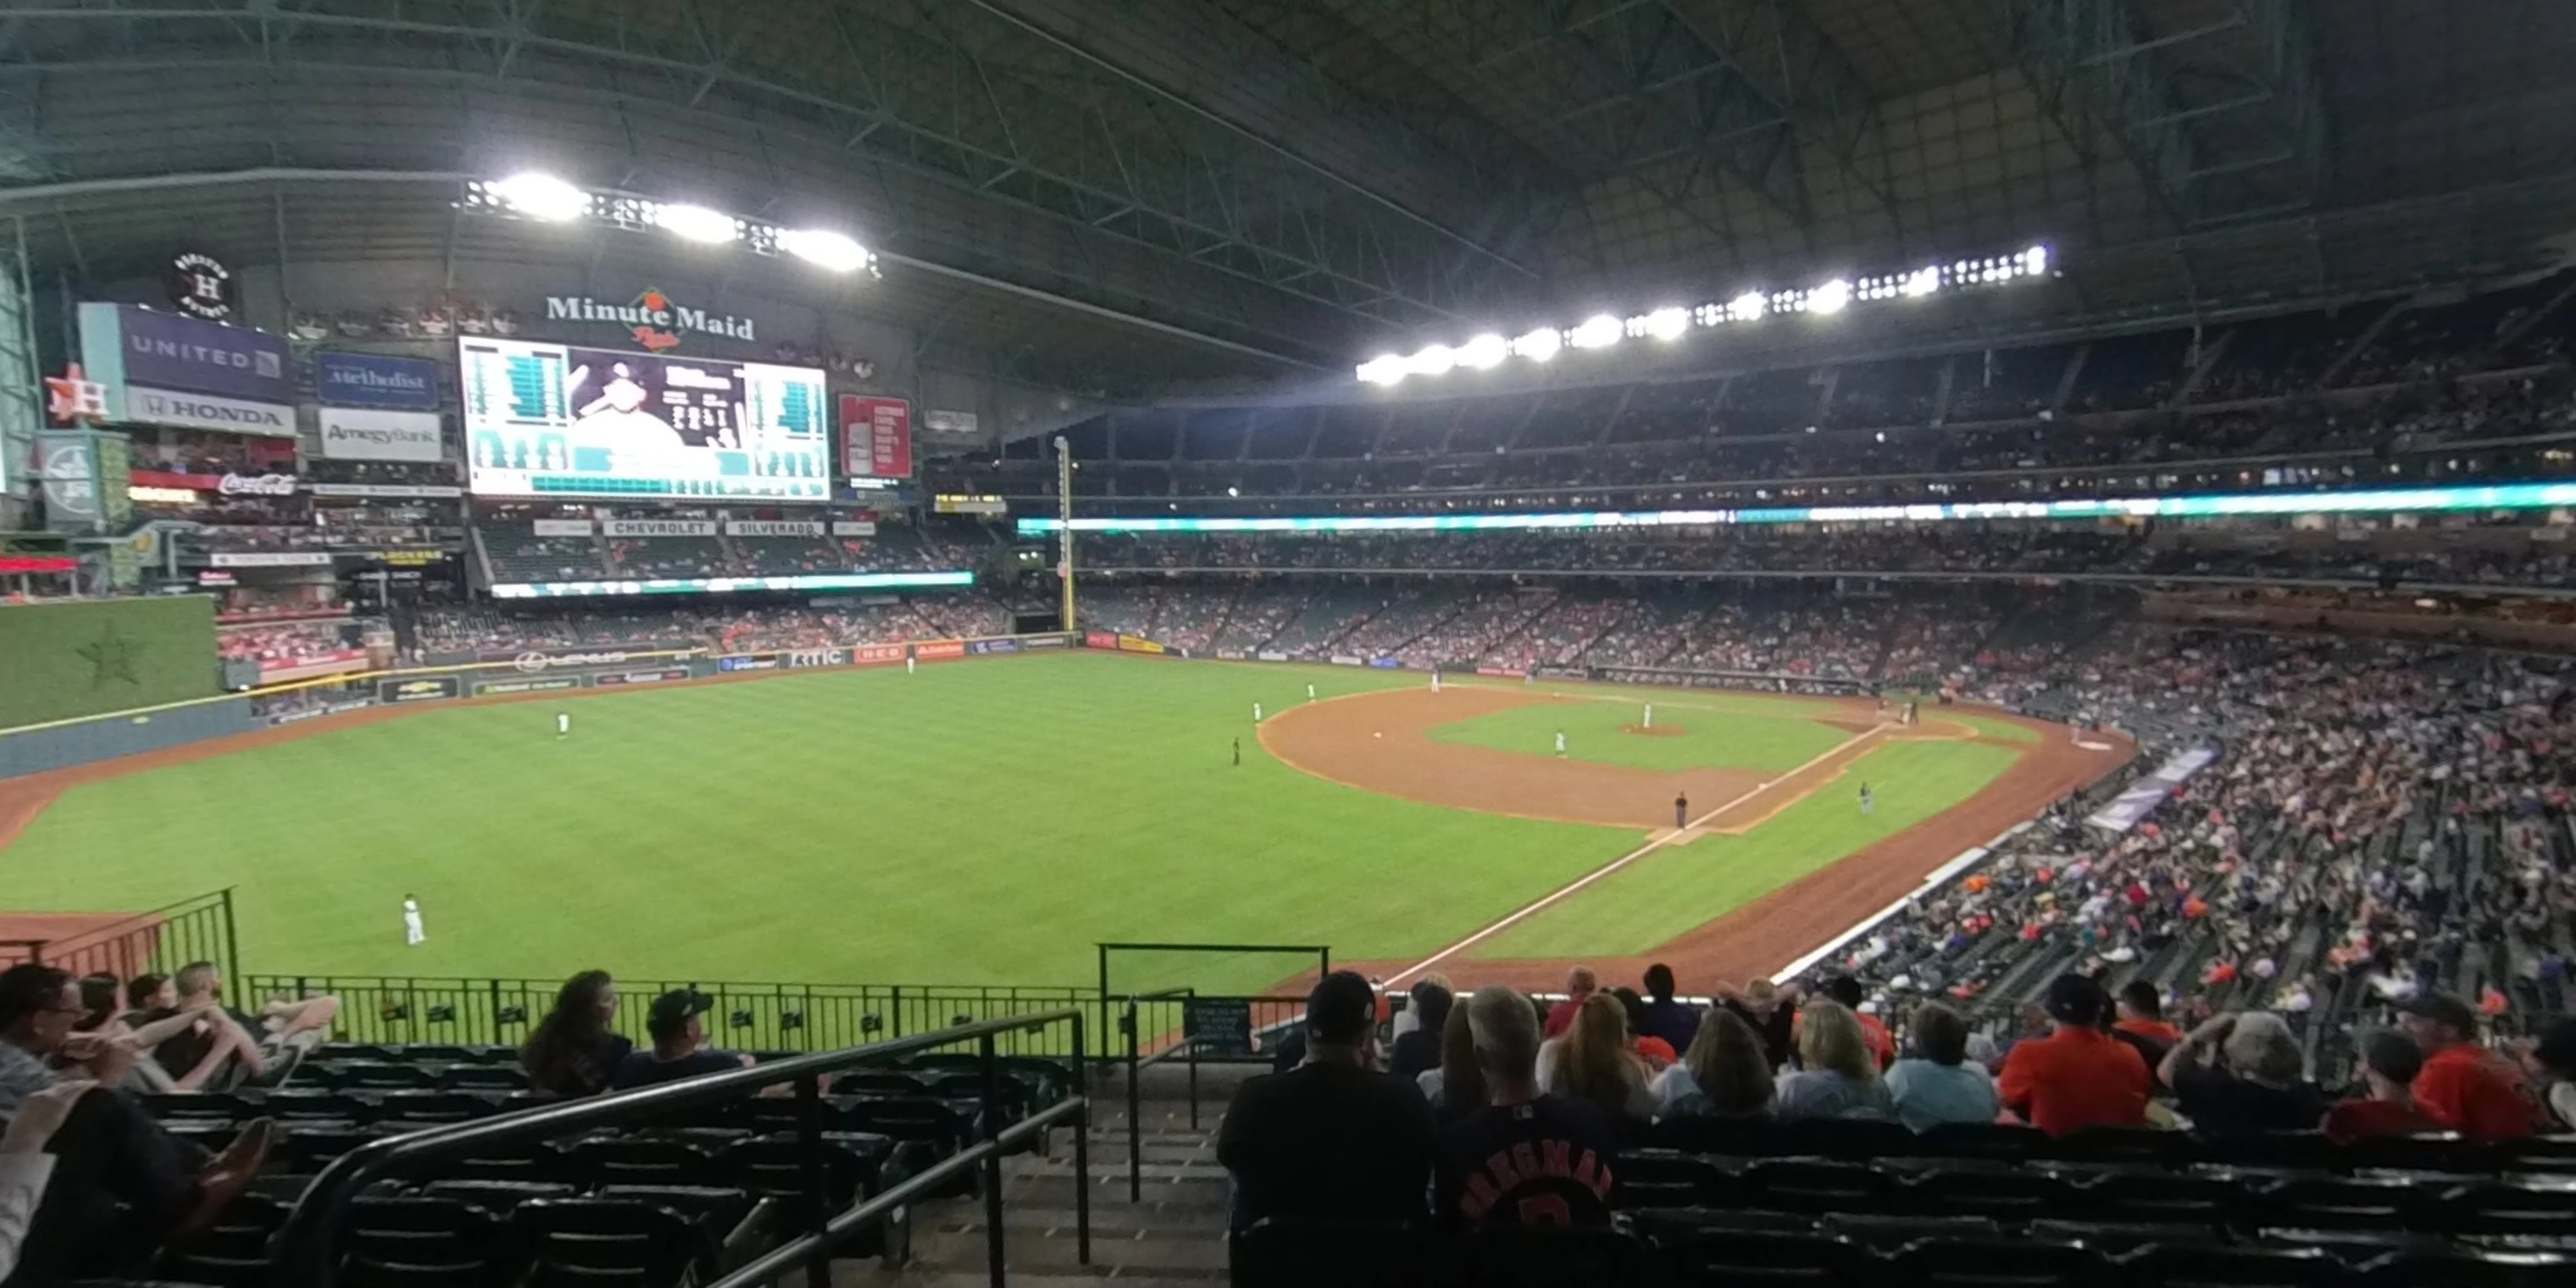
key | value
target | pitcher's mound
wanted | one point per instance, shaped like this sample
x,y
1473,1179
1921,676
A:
x,y
1654,731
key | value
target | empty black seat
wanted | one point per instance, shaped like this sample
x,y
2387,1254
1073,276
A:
x,y
642,1160
2123,1236
369,1074
2127,1145
1995,1262
1817,1185
2336,1203
2461,1268
2017,1195
483,1077
434,1106
2121,1195
1768,1257
399,1239
2528,1212
933,1122
1985,1140
304,1102
880,1082
1888,1233
581,1241
1661,1178
497,1196
2213,1266
1846,1138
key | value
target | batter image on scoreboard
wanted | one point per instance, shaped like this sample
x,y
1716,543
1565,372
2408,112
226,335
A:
x,y
555,420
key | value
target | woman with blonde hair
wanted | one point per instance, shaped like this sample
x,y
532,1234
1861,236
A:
x,y
1840,1079
1591,1062
1724,1073
1455,1087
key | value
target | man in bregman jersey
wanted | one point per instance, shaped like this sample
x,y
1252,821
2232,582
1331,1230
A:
x,y
1525,1158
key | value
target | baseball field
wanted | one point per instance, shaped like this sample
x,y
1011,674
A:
x,y
988,822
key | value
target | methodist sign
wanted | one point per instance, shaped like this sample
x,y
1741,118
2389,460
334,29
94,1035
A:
x,y
165,370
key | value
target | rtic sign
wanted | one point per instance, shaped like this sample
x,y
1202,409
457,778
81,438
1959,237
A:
x,y
651,319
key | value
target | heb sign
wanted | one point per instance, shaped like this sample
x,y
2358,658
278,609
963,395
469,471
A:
x,y
550,684
656,676
393,692
876,654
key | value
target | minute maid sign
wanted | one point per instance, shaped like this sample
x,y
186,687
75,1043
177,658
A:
x,y
651,319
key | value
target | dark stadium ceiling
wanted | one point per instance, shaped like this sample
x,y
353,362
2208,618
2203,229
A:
x,y
1256,187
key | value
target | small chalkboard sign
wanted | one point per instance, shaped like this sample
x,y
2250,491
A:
x,y
1218,1026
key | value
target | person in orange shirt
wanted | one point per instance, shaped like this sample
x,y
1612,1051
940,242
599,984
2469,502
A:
x,y
2390,1063
2142,1022
2465,1087
2078,1076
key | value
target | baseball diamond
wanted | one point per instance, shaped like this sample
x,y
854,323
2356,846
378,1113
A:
x,y
811,781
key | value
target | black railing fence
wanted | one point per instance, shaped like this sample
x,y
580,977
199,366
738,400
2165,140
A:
x,y
308,1249
144,943
751,1017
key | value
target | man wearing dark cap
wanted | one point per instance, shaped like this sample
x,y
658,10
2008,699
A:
x,y
679,1045
2390,1063
2465,1087
1333,1137
2078,1076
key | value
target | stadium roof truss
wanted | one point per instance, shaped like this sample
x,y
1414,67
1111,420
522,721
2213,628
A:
x,y
1252,187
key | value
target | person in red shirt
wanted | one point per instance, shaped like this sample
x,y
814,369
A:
x,y
2078,1076
2390,1063
2465,1087
2142,1022
1579,983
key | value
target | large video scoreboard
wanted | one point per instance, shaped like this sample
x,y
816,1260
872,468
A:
x,y
555,420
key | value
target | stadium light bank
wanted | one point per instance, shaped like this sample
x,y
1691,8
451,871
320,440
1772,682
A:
x,y
1674,321
2510,496
546,199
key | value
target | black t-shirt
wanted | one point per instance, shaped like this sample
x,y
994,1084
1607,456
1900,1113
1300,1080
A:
x,y
1775,1031
2221,1104
180,1052
1327,1140
584,1073
1547,1162
1414,1052
640,1069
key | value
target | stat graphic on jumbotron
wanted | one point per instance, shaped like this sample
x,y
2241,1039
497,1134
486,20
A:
x,y
555,420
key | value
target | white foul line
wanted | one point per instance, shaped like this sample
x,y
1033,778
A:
x,y
1652,845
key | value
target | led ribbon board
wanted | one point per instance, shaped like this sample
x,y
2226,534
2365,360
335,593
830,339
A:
x,y
723,585
2507,496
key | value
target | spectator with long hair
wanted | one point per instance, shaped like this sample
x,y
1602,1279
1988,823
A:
x,y
1418,1048
1456,1087
1725,1073
1937,1084
1592,1063
573,1051
1839,1077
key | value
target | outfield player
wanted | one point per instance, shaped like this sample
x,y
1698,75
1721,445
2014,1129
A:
x,y
909,663
413,935
1435,682
1866,804
563,725
1560,743
1256,713
1650,717
1310,693
1238,753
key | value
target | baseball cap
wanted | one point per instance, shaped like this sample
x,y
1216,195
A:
x,y
671,1012
2073,999
2442,1008
1341,1008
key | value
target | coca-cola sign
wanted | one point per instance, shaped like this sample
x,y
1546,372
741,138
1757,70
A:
x,y
256,485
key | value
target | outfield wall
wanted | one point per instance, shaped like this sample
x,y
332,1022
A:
x,y
504,675
65,659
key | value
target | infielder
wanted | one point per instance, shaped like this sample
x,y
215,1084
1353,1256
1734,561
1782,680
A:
x,y
563,725
1310,693
1435,682
1650,717
413,935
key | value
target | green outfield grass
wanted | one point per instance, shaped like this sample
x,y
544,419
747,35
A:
x,y
1681,887
981,822
1594,731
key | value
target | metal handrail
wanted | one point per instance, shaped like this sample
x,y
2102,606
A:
x,y
1135,1101
308,1246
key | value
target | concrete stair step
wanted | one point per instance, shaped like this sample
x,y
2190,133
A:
x,y
1148,1252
